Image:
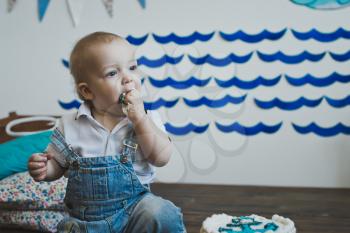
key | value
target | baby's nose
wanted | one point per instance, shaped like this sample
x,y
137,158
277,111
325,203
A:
x,y
126,79
128,83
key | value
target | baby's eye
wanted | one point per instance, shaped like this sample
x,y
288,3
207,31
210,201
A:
x,y
111,74
133,67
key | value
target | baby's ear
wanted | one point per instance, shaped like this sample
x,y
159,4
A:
x,y
84,91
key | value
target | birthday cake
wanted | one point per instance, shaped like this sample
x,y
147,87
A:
x,y
222,223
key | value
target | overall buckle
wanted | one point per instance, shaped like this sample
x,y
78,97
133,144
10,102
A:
x,y
130,144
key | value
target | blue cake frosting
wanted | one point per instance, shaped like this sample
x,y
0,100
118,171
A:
x,y
245,224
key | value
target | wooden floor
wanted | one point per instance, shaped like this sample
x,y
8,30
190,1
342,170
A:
x,y
312,210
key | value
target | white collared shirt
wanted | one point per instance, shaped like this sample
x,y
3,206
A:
x,y
90,139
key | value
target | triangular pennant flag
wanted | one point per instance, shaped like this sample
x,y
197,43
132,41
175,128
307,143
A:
x,y
10,5
42,6
75,8
109,6
143,3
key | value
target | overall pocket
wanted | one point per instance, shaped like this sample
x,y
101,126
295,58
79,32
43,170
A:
x,y
120,185
74,181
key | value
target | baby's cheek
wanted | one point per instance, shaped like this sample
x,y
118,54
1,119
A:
x,y
114,96
118,92
138,84
138,87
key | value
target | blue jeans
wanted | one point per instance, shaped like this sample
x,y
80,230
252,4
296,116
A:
x,y
152,214
155,214
104,195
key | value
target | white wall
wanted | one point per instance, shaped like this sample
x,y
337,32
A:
x,y
33,79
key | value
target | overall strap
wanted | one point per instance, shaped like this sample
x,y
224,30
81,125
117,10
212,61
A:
x,y
60,145
129,145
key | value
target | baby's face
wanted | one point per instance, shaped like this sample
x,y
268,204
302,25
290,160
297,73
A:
x,y
112,71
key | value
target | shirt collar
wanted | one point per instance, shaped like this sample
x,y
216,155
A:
x,y
84,110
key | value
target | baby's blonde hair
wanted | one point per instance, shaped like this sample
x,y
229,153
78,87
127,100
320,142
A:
x,y
78,59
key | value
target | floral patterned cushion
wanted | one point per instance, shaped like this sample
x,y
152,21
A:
x,y
21,192
42,220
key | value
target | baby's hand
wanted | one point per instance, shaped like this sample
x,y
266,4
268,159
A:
x,y
135,110
37,165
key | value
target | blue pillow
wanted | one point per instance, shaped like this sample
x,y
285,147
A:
x,y
14,154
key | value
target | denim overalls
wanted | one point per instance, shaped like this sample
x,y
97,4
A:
x,y
101,191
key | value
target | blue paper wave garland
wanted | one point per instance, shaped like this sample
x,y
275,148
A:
x,y
220,62
158,62
190,127
253,38
228,99
69,105
318,81
338,103
290,59
322,131
249,131
214,103
160,103
137,40
322,36
248,85
183,40
241,35
288,105
192,81
340,57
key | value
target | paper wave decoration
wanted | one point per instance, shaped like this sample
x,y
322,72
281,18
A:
x,y
185,129
192,81
338,103
284,105
247,85
322,36
318,81
196,103
253,38
160,103
323,4
215,103
220,61
323,132
65,63
249,131
137,40
290,59
69,105
183,40
340,57
159,62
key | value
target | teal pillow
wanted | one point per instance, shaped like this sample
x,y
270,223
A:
x,y
14,154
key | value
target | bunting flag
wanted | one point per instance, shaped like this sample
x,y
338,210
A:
x,y
42,7
143,3
75,8
109,7
10,5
